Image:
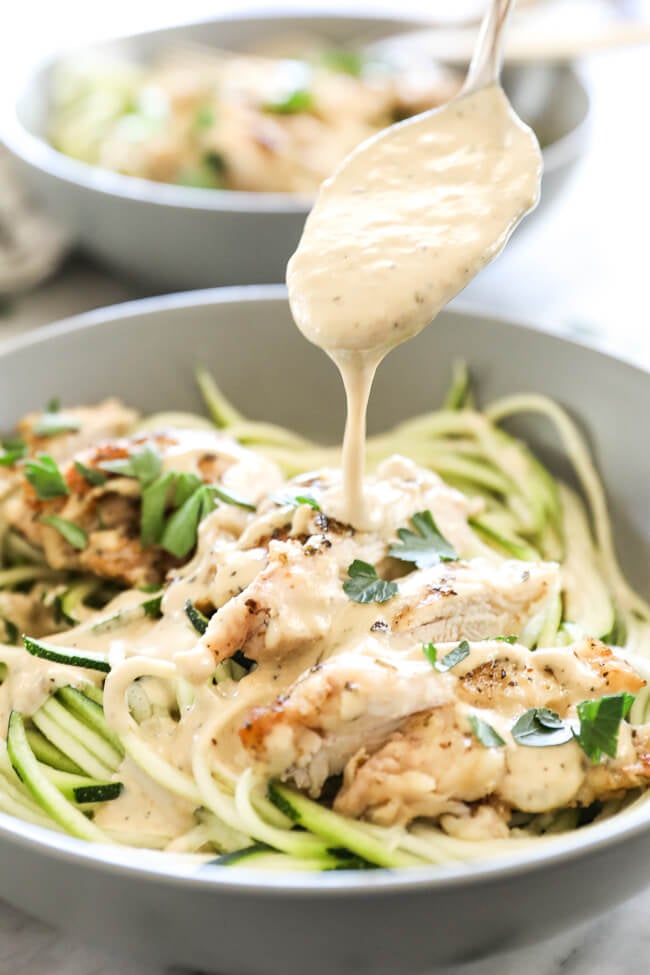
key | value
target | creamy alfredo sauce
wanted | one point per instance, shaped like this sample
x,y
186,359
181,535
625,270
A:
x,y
403,225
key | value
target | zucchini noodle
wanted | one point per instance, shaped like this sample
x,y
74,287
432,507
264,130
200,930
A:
x,y
90,729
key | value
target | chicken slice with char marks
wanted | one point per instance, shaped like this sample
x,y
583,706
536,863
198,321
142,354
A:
x,y
105,420
110,513
352,700
366,711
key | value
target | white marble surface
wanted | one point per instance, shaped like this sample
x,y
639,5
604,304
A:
x,y
583,269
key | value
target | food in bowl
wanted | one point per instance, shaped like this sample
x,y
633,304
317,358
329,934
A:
x,y
216,120
210,659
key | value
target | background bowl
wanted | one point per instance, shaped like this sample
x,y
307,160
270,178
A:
x,y
378,922
179,237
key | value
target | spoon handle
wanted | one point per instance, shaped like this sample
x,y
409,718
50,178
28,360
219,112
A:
x,y
485,66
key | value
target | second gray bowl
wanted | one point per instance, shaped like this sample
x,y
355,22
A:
x,y
175,237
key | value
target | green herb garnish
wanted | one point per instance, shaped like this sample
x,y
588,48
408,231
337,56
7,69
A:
x,y
485,733
89,474
600,722
229,498
144,464
179,535
196,617
298,100
541,728
430,652
73,534
51,423
511,639
204,117
152,513
425,546
365,586
296,501
12,450
45,477
345,62
151,607
453,657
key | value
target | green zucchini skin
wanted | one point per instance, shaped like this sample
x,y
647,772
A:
x,y
70,656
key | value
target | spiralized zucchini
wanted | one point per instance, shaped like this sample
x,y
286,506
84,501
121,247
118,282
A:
x,y
527,514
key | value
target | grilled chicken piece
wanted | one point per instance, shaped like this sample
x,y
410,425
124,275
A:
x,y
107,419
366,711
110,513
297,596
433,762
471,600
352,700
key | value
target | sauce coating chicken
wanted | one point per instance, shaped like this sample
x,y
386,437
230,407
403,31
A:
x,y
400,732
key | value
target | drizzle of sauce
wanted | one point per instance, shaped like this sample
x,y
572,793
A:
x,y
403,225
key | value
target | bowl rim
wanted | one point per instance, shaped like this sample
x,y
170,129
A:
x,y
169,869
37,152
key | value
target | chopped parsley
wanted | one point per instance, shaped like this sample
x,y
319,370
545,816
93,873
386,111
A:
x,y
296,501
12,450
425,546
365,586
89,474
486,734
541,728
73,534
204,117
180,533
51,423
143,464
152,513
511,639
430,652
600,721
298,100
229,498
45,477
453,657
345,62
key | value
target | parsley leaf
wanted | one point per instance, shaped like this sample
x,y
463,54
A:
x,y
12,450
430,652
599,724
196,617
345,62
186,484
96,478
511,638
73,534
425,546
45,477
298,100
486,734
229,498
365,586
51,423
179,535
143,464
296,501
453,657
541,728
152,512
151,607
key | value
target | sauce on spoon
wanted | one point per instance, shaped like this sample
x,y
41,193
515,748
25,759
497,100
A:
x,y
407,220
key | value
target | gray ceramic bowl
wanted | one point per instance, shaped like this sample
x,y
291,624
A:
x,y
380,922
178,237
